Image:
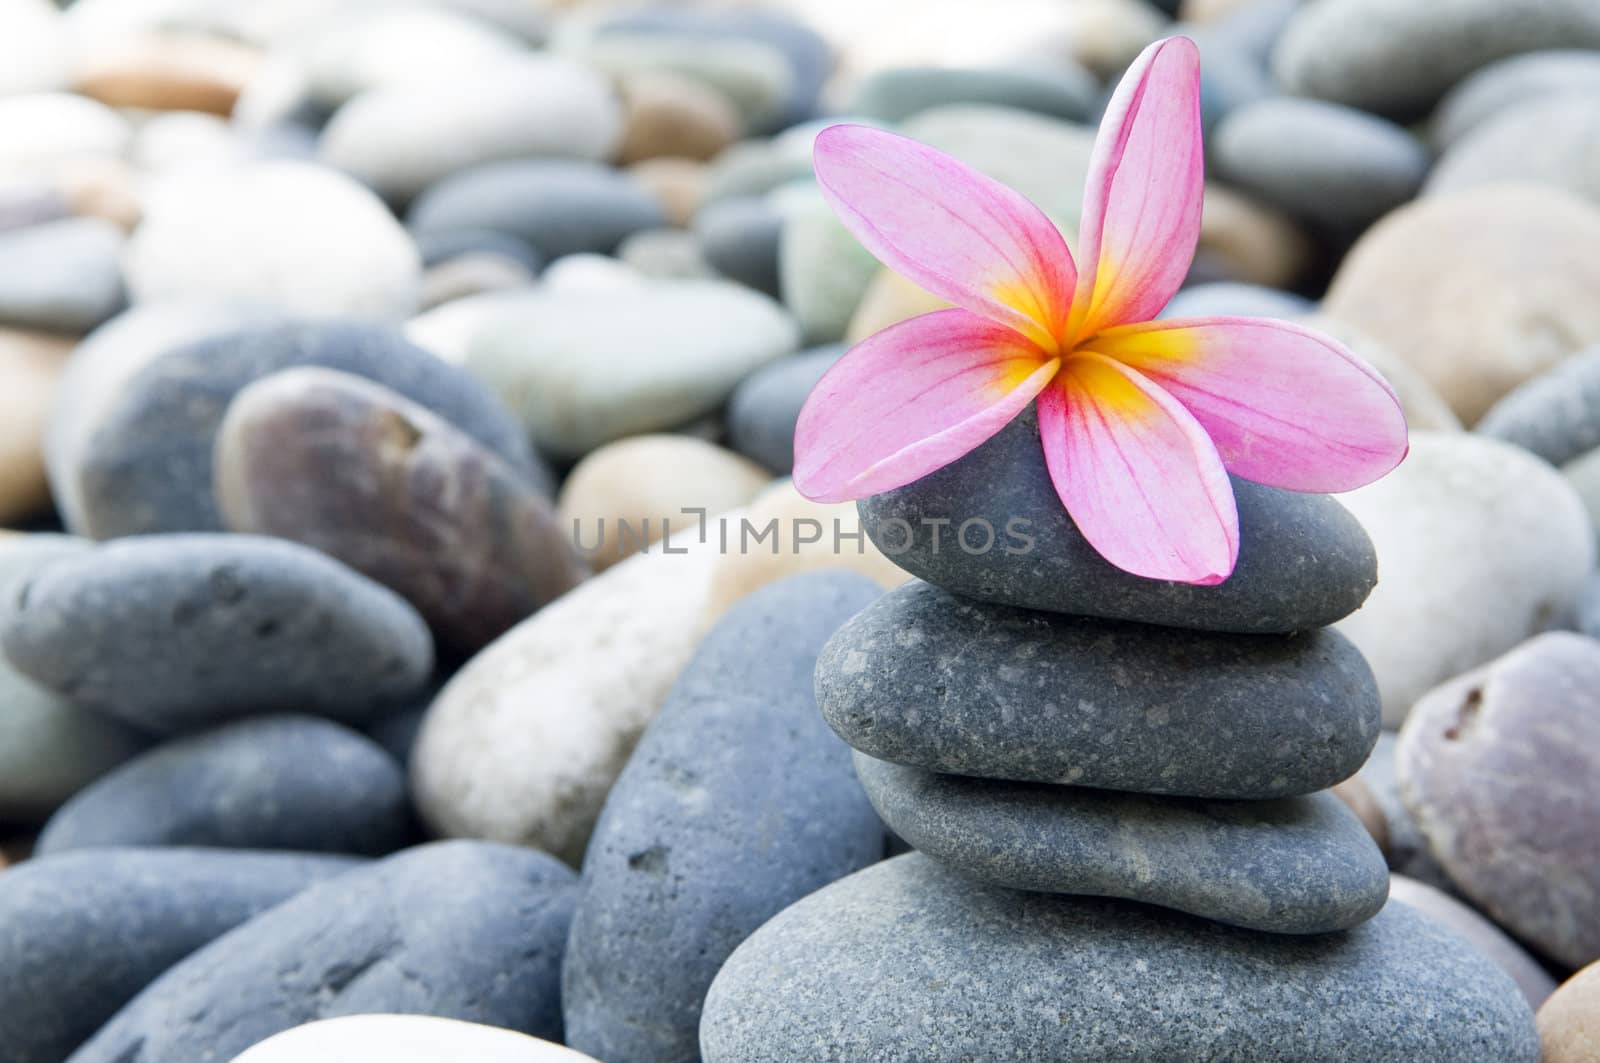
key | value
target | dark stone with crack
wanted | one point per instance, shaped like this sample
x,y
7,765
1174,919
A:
x,y
738,801
1297,865
462,930
908,962
926,678
172,632
990,526
82,933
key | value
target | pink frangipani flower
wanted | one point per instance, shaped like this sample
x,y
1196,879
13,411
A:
x,y
1141,420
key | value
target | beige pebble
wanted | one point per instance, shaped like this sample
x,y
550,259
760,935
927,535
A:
x,y
1425,408
1569,1022
1249,241
167,72
679,185
889,299
30,365
628,494
673,116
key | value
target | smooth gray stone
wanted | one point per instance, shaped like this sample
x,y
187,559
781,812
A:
x,y
1321,161
907,962
462,930
1304,561
82,933
62,275
148,465
1297,865
926,678
1534,981
1061,90
276,782
766,405
1556,415
737,802
739,238
1503,85
440,247
172,632
558,206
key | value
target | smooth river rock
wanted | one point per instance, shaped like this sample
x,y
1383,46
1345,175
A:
x,y
1569,1022
1297,865
1556,415
907,961
405,1039
83,932
275,782
178,631
1509,83
146,463
462,930
1498,766
1534,981
372,479
925,678
737,802
1303,561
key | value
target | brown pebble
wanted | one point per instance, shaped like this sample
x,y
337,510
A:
x,y
1569,1022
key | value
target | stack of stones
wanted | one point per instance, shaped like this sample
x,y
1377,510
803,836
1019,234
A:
x,y
1150,762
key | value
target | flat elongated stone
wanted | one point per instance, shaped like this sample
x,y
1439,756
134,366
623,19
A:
x,y
907,961
1298,865
926,678
1303,561
737,802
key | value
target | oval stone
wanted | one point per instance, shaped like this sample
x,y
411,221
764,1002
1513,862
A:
x,y
147,464
400,495
1534,981
177,631
1498,765
1298,865
405,1039
737,770
990,526
1569,1022
1545,140
84,932
1511,82
462,930
1061,90
765,407
988,973
1556,415
278,782
925,678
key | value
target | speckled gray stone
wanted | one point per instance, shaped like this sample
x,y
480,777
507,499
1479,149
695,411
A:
x,y
1297,865
276,782
146,467
170,632
1499,766
737,802
1556,415
766,405
558,206
83,932
1304,561
1510,82
461,930
1534,981
1321,161
1061,90
907,962
926,678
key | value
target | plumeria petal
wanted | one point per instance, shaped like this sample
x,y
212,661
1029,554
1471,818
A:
x,y
960,235
1285,405
912,399
1138,474
1141,205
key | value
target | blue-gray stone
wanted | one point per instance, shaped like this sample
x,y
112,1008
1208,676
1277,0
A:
x,y
907,961
766,405
171,632
148,464
1556,415
1321,161
64,276
437,247
925,678
1503,85
809,55
1237,297
462,930
82,933
1061,90
559,206
276,782
739,238
737,802
1297,865
1304,561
